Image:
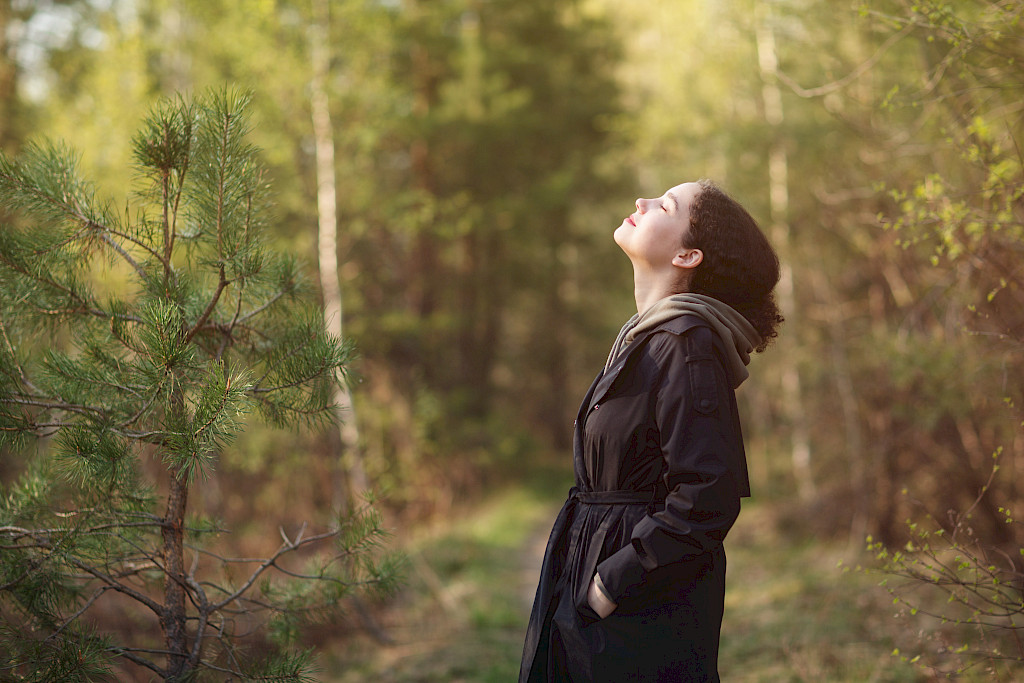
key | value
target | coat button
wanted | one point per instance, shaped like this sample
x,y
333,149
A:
x,y
705,404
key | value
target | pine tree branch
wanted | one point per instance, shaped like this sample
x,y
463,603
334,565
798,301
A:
x,y
183,171
21,532
221,176
41,538
204,610
146,437
253,313
168,243
46,281
124,254
22,376
128,653
233,672
84,305
287,547
75,212
256,389
105,232
24,575
89,603
134,391
142,411
221,285
228,330
18,399
213,417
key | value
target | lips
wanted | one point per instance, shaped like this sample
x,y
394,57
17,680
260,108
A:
x,y
631,221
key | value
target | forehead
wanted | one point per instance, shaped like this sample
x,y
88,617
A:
x,y
684,193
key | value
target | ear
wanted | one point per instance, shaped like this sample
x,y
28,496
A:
x,y
688,258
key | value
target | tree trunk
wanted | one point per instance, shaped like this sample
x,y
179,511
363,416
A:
x,y
778,193
350,459
8,80
174,621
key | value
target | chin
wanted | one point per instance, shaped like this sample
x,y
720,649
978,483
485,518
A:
x,y
618,236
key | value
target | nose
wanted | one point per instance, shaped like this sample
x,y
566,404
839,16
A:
x,y
641,204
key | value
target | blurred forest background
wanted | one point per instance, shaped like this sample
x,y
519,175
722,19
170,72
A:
x,y
483,152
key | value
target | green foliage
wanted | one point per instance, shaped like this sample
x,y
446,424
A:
x,y
964,594
968,208
210,326
957,574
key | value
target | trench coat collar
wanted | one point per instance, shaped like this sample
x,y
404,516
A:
x,y
604,381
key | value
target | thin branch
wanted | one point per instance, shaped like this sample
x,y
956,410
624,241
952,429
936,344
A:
x,y
849,78
177,202
228,330
78,215
128,654
224,282
89,603
105,236
255,387
134,391
56,285
270,562
116,585
110,581
132,420
213,416
204,613
256,311
54,405
213,667
14,357
28,570
164,180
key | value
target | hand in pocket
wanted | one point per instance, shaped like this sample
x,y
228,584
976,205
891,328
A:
x,y
598,600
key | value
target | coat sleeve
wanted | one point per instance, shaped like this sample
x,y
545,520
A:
x,y
691,409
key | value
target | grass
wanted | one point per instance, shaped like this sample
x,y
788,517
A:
x,y
792,613
463,613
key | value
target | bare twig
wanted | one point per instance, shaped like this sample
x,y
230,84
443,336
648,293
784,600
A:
x,y
850,77
270,562
89,603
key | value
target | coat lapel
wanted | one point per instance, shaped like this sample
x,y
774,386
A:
x,y
604,382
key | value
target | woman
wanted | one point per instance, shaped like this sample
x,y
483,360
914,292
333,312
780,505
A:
x,y
633,582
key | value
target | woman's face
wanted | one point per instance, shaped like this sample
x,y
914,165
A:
x,y
653,234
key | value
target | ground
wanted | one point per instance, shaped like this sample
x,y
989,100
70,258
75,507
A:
x,y
796,609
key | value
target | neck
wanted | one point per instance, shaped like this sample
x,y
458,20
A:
x,y
650,288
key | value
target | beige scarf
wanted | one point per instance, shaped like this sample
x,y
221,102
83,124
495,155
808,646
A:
x,y
739,335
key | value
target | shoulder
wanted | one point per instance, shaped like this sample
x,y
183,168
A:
x,y
684,324
687,336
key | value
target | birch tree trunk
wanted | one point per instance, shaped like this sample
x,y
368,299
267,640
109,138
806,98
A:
x,y
8,77
778,193
350,459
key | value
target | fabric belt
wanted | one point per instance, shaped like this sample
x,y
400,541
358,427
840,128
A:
x,y
614,497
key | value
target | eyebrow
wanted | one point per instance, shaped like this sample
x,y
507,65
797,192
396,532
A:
x,y
672,197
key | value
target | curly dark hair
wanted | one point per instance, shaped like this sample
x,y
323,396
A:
x,y
740,267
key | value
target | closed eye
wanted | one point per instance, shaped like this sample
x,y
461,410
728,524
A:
x,y
668,199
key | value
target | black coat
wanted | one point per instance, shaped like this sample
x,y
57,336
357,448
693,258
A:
x,y
660,470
